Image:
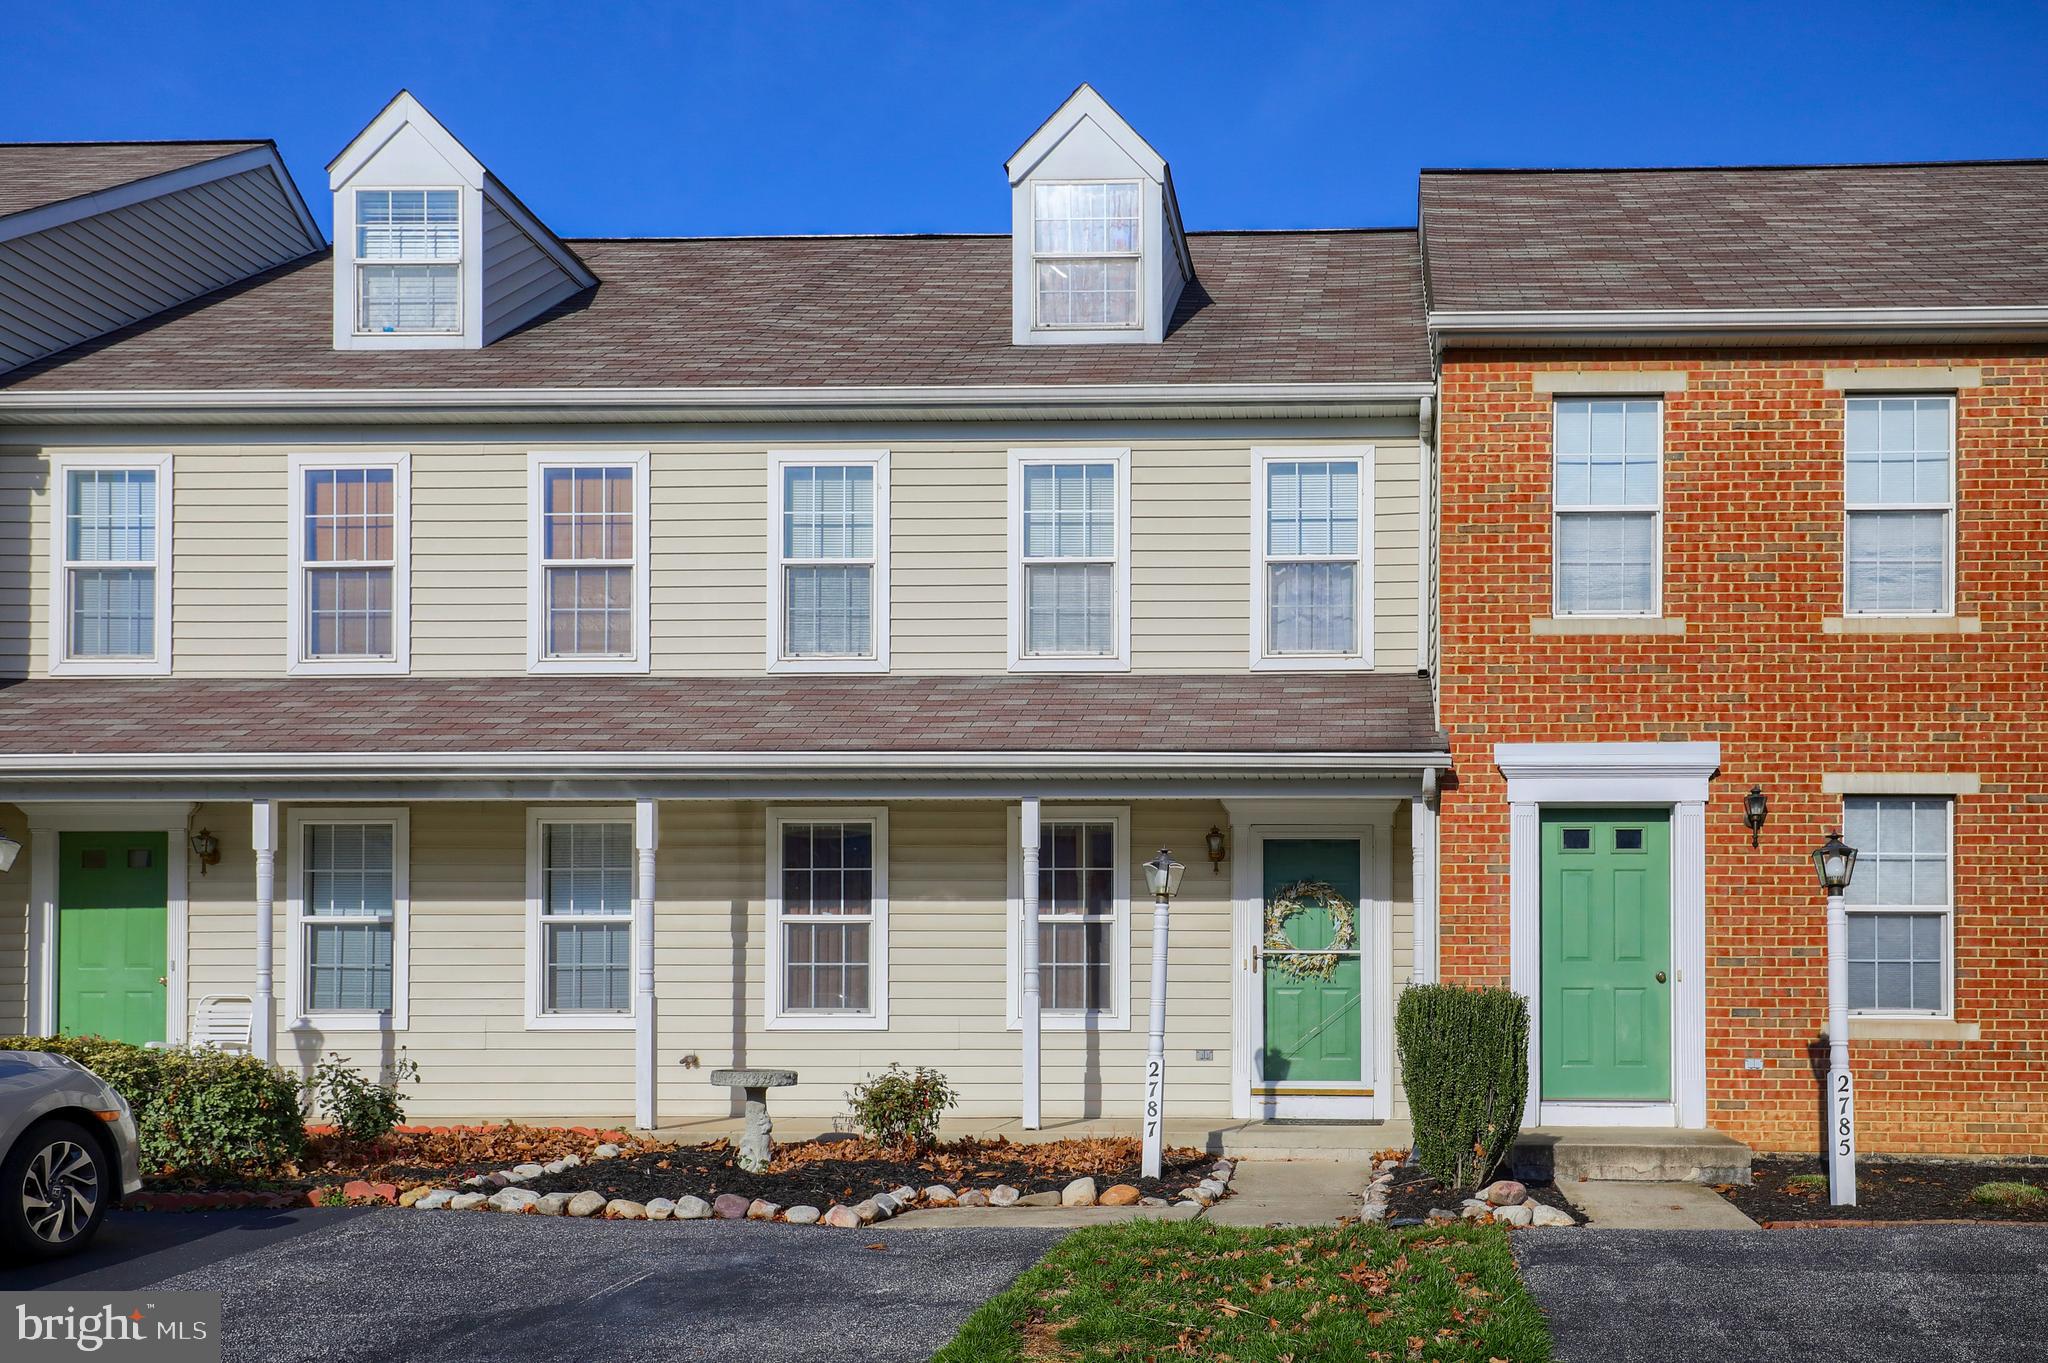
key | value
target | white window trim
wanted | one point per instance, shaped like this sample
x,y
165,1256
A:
x,y
778,660
1033,255
1120,660
537,659
61,664
1949,510
875,1018
1947,1011
291,858
297,663
1558,513
538,1018
1360,658
1117,1018
460,262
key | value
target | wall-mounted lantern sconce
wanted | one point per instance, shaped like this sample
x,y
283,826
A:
x,y
9,850
1217,847
1755,808
206,847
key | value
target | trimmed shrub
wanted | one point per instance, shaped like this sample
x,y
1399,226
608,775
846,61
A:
x,y
1465,1065
222,1113
197,1111
901,1107
361,1111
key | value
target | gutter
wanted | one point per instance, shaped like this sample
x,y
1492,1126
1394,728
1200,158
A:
x,y
1692,321
402,765
271,404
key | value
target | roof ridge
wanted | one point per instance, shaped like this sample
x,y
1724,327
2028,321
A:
x,y
151,142
1740,166
978,236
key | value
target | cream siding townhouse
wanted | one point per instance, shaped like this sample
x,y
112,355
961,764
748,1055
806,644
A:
x,y
584,664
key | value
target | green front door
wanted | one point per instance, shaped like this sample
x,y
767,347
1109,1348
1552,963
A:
x,y
112,889
1606,1020
1312,975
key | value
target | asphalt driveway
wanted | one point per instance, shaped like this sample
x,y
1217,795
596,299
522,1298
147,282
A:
x,y
1927,1294
383,1285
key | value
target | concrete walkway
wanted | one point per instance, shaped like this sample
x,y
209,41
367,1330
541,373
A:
x,y
1654,1206
1305,1192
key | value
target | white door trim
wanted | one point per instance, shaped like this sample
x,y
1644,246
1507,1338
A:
x,y
1372,824
1671,775
45,822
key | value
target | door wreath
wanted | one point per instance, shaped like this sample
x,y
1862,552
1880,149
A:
x,y
1290,900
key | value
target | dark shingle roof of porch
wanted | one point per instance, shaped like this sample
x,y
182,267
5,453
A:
x,y
1308,713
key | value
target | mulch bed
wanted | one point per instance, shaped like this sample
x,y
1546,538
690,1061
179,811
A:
x,y
409,1156
1886,1190
820,1173
1414,1194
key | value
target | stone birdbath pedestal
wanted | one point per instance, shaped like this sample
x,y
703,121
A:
x,y
756,1145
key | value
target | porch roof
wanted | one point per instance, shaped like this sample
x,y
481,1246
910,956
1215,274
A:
x,y
457,730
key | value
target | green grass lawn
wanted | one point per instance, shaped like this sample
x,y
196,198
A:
x,y
1155,1290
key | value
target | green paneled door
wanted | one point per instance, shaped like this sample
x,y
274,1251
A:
x,y
1606,1020
1312,1024
112,889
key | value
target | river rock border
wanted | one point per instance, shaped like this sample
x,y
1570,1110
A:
x,y
502,1191
1504,1203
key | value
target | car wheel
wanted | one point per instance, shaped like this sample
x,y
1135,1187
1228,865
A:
x,y
54,1189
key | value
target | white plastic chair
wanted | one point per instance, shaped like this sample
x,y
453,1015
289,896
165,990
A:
x,y
224,1022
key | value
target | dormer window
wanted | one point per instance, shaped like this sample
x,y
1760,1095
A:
x,y
408,261
1086,254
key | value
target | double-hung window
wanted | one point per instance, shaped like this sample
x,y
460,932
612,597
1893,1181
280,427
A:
x,y
828,954
829,562
1311,597
580,927
350,594
348,912
588,582
1608,498
112,571
1901,505
1083,920
1070,607
1086,255
1901,903
408,246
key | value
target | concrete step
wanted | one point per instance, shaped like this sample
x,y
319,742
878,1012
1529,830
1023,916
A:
x,y
1629,1154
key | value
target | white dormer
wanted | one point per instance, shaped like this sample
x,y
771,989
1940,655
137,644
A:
x,y
1097,255
431,251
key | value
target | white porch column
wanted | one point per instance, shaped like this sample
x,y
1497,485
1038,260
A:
x,y
1689,961
1525,939
263,1016
1422,851
646,838
1028,1005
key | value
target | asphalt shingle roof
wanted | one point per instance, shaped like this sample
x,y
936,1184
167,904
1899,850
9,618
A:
x,y
1284,307
33,174
968,714
1942,235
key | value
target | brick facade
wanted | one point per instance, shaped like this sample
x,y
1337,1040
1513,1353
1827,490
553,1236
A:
x,y
1753,532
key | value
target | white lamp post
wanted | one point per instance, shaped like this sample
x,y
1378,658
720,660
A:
x,y
1835,862
1162,876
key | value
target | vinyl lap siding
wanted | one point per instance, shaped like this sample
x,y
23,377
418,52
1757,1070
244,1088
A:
x,y
82,279
521,281
14,892
1190,547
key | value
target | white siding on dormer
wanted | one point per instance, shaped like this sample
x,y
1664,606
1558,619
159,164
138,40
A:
x,y
521,281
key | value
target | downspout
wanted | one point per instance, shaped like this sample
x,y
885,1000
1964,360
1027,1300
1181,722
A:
x,y
1426,593
1027,955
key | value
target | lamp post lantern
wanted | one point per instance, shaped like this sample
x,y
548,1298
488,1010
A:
x,y
1834,861
1162,877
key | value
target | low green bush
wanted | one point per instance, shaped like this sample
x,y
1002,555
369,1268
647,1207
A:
x,y
901,1107
361,1111
197,1111
1465,1065
2009,1193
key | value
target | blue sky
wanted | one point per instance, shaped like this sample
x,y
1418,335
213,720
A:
x,y
776,116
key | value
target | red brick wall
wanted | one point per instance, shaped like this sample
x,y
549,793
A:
x,y
1752,564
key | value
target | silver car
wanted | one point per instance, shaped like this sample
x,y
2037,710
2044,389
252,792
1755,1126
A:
x,y
67,1153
